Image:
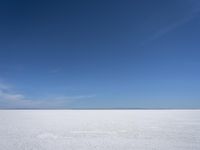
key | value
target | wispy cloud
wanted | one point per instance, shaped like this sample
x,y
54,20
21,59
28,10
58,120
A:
x,y
80,97
170,27
9,98
55,70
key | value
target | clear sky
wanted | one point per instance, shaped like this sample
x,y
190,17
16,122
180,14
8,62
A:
x,y
99,53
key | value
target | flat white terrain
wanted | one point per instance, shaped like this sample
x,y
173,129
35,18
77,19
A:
x,y
99,129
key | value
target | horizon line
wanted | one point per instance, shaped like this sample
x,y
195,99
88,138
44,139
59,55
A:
x,y
117,108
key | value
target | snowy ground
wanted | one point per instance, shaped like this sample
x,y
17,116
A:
x,y
99,129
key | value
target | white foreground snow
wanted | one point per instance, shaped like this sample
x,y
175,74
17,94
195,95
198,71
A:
x,y
99,129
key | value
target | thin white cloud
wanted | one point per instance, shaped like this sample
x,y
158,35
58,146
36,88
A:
x,y
79,97
4,86
12,99
55,70
169,28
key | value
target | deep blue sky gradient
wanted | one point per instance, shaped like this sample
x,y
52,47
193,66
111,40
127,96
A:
x,y
105,53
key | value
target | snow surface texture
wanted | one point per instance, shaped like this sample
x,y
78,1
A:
x,y
99,129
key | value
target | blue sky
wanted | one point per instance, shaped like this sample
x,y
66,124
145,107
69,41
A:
x,y
100,54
